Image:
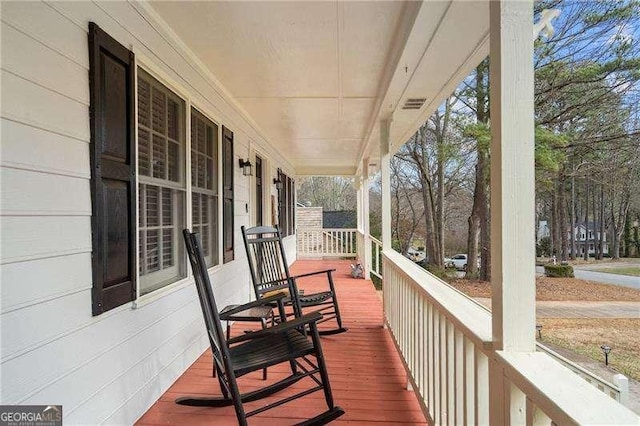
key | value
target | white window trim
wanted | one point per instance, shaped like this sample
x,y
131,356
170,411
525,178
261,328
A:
x,y
150,66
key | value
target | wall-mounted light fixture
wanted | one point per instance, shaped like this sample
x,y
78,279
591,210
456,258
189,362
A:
x,y
277,182
246,167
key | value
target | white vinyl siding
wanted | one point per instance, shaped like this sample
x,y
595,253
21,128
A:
x,y
111,368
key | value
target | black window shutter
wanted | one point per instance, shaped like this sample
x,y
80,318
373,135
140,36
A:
x,y
227,194
281,196
113,180
259,191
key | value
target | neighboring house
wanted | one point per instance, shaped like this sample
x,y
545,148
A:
x,y
543,230
588,236
308,217
339,219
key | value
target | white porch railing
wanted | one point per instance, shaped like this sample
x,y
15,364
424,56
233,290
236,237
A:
x,y
445,341
618,393
326,242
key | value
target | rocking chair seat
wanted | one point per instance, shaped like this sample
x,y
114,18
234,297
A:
x,y
269,350
314,299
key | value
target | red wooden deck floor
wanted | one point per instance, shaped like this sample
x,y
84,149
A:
x,y
367,376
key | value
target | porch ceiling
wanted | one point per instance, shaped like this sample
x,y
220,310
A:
x,y
316,76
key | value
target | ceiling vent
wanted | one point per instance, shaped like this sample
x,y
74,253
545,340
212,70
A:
x,y
414,103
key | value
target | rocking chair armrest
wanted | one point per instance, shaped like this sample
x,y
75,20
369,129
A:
x,y
280,328
254,304
309,274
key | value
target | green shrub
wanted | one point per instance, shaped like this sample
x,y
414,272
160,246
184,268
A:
x,y
558,271
438,272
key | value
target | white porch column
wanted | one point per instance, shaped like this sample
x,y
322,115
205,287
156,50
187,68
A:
x,y
364,192
512,175
360,225
385,167
358,182
512,197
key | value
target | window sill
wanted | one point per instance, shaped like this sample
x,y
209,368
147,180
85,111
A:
x,y
149,298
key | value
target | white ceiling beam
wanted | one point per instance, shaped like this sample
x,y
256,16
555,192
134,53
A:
x,y
347,171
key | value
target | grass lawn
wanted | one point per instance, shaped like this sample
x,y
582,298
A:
x,y
586,335
583,335
633,271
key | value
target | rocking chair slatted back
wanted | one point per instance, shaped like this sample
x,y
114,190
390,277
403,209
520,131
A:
x,y
267,260
207,302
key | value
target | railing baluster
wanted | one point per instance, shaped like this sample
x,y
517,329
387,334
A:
x,y
437,403
459,377
469,382
535,416
517,405
482,389
443,370
430,360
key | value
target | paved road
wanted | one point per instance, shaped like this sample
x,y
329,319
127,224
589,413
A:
x,y
602,277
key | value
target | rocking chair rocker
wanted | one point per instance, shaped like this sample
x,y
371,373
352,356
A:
x,y
255,351
270,274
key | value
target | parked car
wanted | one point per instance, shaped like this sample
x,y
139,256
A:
x,y
459,261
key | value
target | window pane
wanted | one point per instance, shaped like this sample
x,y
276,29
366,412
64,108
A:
x,y
210,177
144,152
152,261
152,210
159,157
173,118
167,207
167,247
174,162
195,209
144,109
158,110
201,172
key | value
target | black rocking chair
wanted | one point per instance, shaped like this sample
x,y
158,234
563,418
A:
x,y
255,351
270,274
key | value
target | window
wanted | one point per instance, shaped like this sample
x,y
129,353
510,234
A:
x,y
162,184
204,184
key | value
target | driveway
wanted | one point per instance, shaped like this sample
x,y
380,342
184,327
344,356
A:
x,y
601,277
